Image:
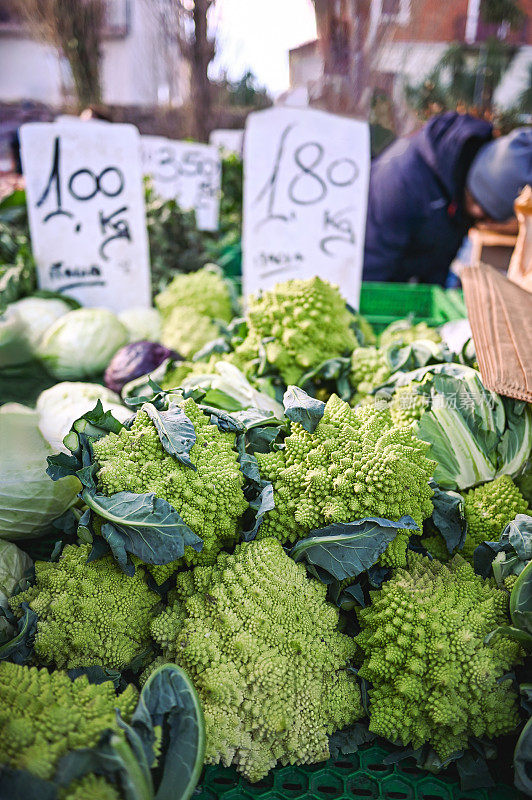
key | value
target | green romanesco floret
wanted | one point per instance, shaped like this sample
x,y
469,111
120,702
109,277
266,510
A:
x,y
91,787
369,369
210,498
356,464
262,646
404,332
436,546
186,331
204,292
45,715
407,406
89,613
300,324
488,509
434,680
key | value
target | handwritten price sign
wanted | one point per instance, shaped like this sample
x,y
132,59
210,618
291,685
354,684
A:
x,y
188,172
86,212
306,176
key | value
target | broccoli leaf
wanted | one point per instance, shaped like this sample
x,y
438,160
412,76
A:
x,y
346,549
143,525
260,504
523,760
169,700
19,650
175,431
300,407
96,674
17,783
448,517
350,740
112,757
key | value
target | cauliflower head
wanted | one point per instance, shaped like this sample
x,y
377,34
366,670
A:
x,y
488,509
210,499
205,292
369,369
44,715
262,646
300,323
356,464
186,331
434,680
89,613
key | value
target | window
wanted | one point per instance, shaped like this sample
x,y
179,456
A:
x,y
10,20
397,11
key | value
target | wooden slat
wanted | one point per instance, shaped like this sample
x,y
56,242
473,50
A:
x,y
500,314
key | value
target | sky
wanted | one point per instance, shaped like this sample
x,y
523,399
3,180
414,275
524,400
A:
x,y
257,34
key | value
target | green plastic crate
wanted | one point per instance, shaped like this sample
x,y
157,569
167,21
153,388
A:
x,y
383,303
362,776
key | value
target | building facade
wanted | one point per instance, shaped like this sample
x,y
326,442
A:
x,y
140,64
406,39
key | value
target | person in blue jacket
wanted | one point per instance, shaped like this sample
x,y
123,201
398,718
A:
x,y
428,189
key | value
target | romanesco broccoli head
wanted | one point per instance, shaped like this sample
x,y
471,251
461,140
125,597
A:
x,y
488,509
300,323
91,787
204,292
434,680
186,331
356,464
262,646
407,406
369,369
44,715
404,332
210,499
89,613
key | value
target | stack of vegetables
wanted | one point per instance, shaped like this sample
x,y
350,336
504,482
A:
x,y
302,532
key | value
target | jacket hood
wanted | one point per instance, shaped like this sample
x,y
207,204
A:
x,y
448,144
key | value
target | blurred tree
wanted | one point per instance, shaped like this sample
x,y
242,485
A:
x,y
74,28
186,24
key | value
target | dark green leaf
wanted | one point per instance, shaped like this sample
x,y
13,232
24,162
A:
x,y
263,503
61,465
225,422
473,772
145,526
96,674
17,784
484,555
521,600
169,700
523,760
519,535
525,690
300,407
350,740
113,758
449,518
97,422
250,468
346,549
347,598
175,431
19,650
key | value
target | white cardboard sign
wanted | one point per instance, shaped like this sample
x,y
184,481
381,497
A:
x,y
306,177
188,172
228,140
86,211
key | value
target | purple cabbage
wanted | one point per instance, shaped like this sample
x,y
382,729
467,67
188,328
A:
x,y
134,360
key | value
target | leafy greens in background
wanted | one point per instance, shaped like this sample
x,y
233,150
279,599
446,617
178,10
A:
x,y
475,434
